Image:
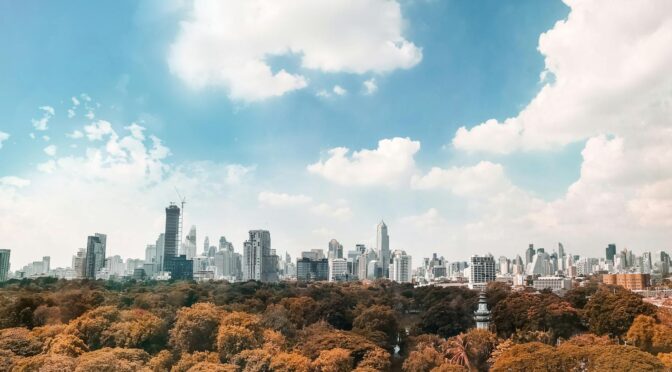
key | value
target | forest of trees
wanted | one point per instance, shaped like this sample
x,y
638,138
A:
x,y
57,325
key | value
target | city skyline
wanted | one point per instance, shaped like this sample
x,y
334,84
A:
x,y
470,127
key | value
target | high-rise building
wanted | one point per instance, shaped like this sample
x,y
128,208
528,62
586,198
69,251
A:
x,y
95,255
78,263
171,237
529,254
227,262
308,269
190,243
206,246
335,249
610,252
561,257
160,252
383,247
482,271
258,261
4,264
504,265
400,267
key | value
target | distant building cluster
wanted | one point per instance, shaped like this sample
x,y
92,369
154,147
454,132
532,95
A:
x,y
172,257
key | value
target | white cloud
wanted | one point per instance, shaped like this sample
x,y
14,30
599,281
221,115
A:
x,y
85,97
50,150
75,101
71,113
31,135
370,86
228,43
428,220
14,181
388,165
483,179
90,115
76,134
3,137
323,94
610,62
43,123
282,200
339,91
334,211
136,131
98,130
46,138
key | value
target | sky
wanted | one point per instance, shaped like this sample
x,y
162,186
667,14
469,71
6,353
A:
x,y
469,127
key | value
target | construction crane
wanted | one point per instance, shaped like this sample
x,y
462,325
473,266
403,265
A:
x,y
183,201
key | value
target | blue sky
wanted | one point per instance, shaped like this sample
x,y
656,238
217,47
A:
x,y
480,60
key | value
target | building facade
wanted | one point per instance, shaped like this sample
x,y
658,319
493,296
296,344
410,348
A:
x,y
4,264
400,267
258,261
482,271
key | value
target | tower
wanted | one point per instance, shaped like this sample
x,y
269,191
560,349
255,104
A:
x,y
482,314
171,237
95,255
4,264
383,247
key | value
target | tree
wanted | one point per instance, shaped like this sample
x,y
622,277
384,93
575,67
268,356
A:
x,y
112,360
135,328
533,356
90,326
187,361
612,309
66,344
232,339
256,360
376,359
378,319
46,363
334,360
301,311
290,362
162,361
321,336
19,341
457,350
425,358
212,367
195,328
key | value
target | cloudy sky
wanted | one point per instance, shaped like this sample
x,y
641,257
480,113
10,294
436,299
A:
x,y
468,126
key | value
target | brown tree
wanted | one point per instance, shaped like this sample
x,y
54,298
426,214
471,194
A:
x,y
112,360
290,362
19,341
66,344
334,360
195,328
380,324
256,360
232,339
612,309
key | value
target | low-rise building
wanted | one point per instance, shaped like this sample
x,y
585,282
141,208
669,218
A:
x,y
555,283
631,281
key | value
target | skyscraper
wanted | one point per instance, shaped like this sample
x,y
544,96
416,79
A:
x,y
529,254
171,236
78,263
335,249
4,264
561,257
258,261
383,247
400,267
95,255
190,243
610,252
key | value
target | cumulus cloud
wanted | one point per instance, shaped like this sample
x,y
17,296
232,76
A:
x,y
14,181
610,66
483,179
339,91
370,86
282,200
388,165
3,137
76,134
98,130
50,150
229,43
428,220
43,123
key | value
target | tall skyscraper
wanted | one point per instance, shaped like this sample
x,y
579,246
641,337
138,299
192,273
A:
x,y
561,257
529,254
206,246
95,255
258,261
400,267
383,247
610,252
335,249
4,264
171,236
160,243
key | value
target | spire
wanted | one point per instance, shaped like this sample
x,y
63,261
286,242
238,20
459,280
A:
x,y
482,314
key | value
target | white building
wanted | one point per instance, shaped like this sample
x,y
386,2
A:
x,y
555,283
383,247
338,269
481,271
400,267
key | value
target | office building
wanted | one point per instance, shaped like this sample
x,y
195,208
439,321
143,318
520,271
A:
x,y
259,263
78,263
335,249
529,254
4,264
312,270
554,283
631,281
400,267
611,252
95,255
190,243
338,269
482,271
171,237
383,247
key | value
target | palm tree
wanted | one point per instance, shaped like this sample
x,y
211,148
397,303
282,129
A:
x,y
457,350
